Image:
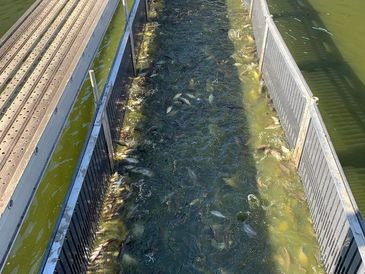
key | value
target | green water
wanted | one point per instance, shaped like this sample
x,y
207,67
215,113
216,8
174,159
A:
x,y
10,11
204,182
332,60
27,252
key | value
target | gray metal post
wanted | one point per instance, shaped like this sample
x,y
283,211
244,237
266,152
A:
x,y
131,39
94,85
105,121
303,130
146,5
251,9
126,13
264,43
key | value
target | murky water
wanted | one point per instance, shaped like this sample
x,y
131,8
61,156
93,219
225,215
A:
x,y
26,255
327,40
11,11
205,182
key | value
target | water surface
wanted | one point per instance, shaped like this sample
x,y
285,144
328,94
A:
x,y
204,182
11,11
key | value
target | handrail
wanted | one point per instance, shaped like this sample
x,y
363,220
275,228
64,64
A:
x,y
338,179
71,200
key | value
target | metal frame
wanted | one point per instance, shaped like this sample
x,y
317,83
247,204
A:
x,y
336,218
74,234
35,158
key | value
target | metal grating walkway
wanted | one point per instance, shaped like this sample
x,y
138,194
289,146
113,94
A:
x,y
39,62
34,60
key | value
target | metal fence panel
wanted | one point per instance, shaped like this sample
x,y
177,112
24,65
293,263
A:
x,y
258,23
335,215
284,89
336,218
75,231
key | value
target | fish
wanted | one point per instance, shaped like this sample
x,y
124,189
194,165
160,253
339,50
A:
x,y
143,171
232,34
132,160
230,182
285,150
218,214
161,62
192,175
168,110
242,216
184,100
120,181
285,260
303,259
128,261
177,96
323,30
276,155
211,98
276,120
249,230
267,206
98,250
263,147
153,75
190,95
253,201
273,127
167,197
194,202
297,19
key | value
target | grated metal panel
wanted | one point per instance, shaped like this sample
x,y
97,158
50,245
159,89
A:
x,y
22,57
284,89
20,120
22,24
258,23
13,50
40,107
330,220
336,218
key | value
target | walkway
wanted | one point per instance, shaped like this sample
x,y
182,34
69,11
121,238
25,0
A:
x,y
34,64
43,61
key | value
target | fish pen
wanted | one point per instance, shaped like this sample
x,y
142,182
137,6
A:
x,y
336,218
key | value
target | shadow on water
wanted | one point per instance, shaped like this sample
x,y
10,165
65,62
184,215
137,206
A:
x,y
174,216
341,93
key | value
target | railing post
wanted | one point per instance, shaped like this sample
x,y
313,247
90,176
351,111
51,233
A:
x,y
264,43
146,6
126,12
131,39
251,9
303,130
94,85
105,121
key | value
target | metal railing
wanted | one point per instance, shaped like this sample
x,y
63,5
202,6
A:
x,y
74,233
336,217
